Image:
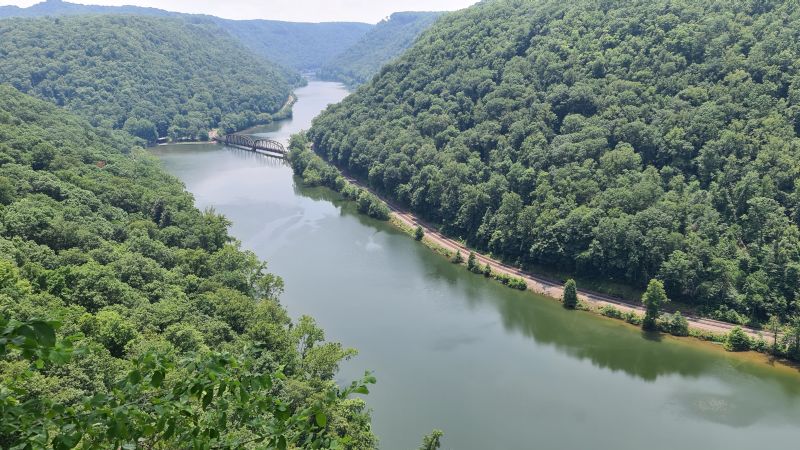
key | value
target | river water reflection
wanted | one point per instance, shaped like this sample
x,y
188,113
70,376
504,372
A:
x,y
492,367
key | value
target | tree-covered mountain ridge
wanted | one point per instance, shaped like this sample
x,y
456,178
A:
x,y
295,45
153,76
385,42
627,140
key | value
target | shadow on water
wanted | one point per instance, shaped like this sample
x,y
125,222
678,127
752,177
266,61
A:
x,y
608,344
617,346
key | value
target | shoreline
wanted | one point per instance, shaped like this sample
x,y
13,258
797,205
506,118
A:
x,y
279,115
538,284
707,332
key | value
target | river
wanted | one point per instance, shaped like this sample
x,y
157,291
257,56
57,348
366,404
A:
x,y
492,367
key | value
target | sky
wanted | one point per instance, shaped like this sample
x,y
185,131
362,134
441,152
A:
x,y
371,11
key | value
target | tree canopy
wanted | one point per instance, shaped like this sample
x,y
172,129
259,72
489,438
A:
x,y
299,46
96,235
385,42
154,77
628,140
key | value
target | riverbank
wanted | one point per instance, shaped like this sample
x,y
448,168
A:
x,y
282,114
704,328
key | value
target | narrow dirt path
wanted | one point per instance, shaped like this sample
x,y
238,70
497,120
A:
x,y
542,285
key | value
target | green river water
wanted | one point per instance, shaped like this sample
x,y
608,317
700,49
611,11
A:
x,y
492,367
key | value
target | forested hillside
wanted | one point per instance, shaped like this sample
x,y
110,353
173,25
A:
x,y
299,46
96,235
627,140
60,8
388,40
154,77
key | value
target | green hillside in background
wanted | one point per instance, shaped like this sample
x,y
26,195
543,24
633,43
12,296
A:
x,y
154,77
298,46
388,40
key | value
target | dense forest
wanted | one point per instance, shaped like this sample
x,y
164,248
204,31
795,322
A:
x,y
299,46
154,77
61,8
628,139
388,40
156,302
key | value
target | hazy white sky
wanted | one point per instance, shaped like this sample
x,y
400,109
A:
x,y
370,11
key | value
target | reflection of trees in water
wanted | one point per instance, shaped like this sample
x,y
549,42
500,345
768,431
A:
x,y
606,344
346,207
258,159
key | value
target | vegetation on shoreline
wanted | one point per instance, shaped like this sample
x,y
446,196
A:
x,y
316,172
94,234
661,143
786,337
153,77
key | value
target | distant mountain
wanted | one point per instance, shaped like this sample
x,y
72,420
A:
x,y
60,8
153,76
388,40
299,46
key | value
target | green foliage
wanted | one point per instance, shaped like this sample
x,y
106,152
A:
x,y
612,312
314,171
301,46
675,324
511,281
570,296
737,340
773,326
213,400
110,329
432,441
102,239
419,233
791,339
632,318
153,77
659,142
472,263
487,270
383,43
653,299
458,258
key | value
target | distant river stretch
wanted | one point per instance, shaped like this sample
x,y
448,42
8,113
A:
x,y
492,367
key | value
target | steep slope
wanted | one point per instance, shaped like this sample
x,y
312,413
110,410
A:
x,y
625,140
298,46
388,40
96,234
152,76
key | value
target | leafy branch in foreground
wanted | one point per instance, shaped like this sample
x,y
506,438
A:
x,y
210,401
